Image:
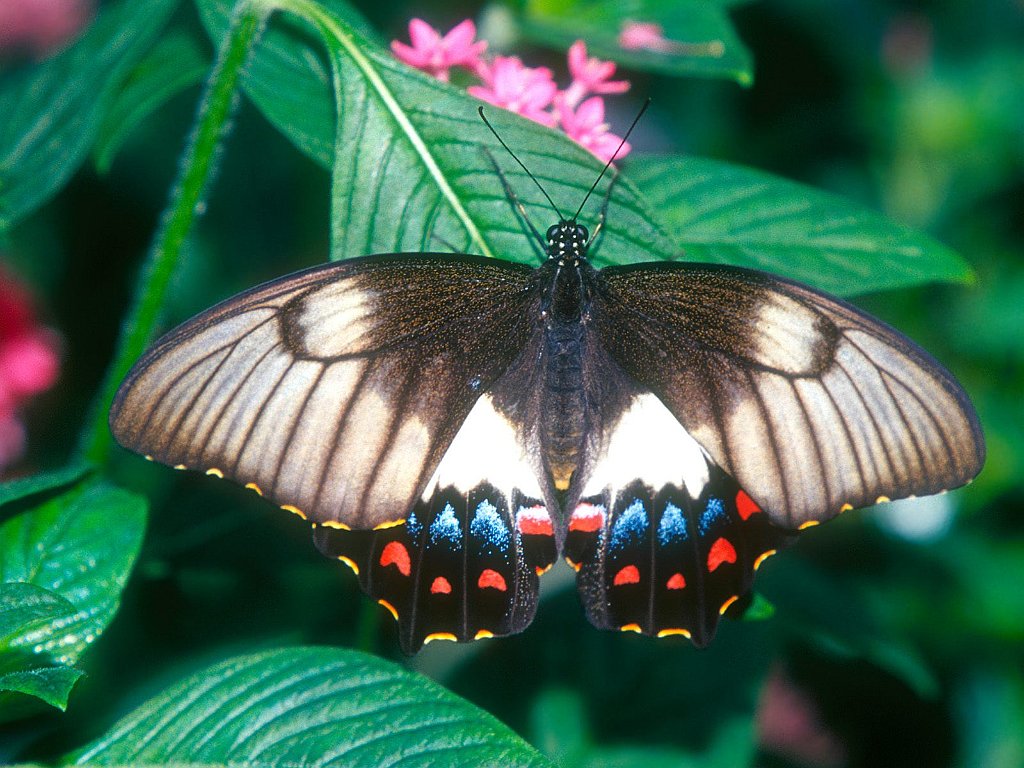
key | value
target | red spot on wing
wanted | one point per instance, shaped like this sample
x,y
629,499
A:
x,y
722,551
441,586
586,518
628,575
676,581
396,554
534,521
745,505
492,579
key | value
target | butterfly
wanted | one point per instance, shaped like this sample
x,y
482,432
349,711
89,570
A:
x,y
452,424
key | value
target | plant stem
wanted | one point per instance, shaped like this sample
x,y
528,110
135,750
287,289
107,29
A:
x,y
186,202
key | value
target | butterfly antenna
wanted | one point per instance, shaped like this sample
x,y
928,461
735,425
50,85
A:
x,y
521,165
611,159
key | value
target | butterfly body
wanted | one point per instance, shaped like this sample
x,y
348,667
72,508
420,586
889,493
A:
x,y
452,424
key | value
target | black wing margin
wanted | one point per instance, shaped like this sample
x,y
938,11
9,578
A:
x,y
809,403
334,391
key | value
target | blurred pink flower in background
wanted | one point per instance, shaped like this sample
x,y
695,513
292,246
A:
x,y
28,364
589,76
587,127
528,91
642,35
789,725
435,54
40,27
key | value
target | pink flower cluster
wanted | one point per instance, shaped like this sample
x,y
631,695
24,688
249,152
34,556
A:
x,y
41,26
529,91
28,364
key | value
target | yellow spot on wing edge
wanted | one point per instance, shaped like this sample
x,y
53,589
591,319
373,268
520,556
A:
x,y
631,628
389,606
542,569
336,524
180,466
294,510
483,634
215,472
808,524
764,556
351,564
575,566
726,604
846,507
254,487
440,636
148,457
674,631
882,499
382,526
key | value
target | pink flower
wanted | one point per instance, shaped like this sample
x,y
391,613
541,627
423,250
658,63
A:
x,y
41,26
435,54
527,91
589,76
586,126
636,35
28,364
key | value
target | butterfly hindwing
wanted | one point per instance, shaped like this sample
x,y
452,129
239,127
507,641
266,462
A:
x,y
664,541
335,391
811,405
464,565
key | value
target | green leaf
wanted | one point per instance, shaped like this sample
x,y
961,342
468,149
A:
x,y
289,78
25,611
411,172
309,706
175,64
28,486
52,111
80,545
700,38
733,215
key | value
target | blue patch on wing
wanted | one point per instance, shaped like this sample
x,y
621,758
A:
x,y
672,526
713,513
446,526
413,526
488,526
630,525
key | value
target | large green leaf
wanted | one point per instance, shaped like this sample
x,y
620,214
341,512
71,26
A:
x,y
309,706
733,215
45,481
699,37
80,545
289,77
51,112
411,172
26,610
175,63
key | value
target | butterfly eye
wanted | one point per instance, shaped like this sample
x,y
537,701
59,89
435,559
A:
x,y
552,231
581,233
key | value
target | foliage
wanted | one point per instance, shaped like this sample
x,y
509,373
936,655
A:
x,y
886,631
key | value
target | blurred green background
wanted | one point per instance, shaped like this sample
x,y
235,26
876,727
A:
x,y
898,638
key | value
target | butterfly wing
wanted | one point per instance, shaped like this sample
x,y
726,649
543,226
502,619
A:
x,y
810,404
664,541
334,392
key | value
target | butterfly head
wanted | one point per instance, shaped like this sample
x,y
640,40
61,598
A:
x,y
567,241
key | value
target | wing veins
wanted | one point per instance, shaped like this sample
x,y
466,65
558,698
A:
x,y
294,428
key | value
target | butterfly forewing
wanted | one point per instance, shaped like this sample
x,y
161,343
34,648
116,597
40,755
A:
x,y
811,405
333,392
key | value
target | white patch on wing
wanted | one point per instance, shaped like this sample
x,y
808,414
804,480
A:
x,y
649,444
337,319
787,334
486,447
